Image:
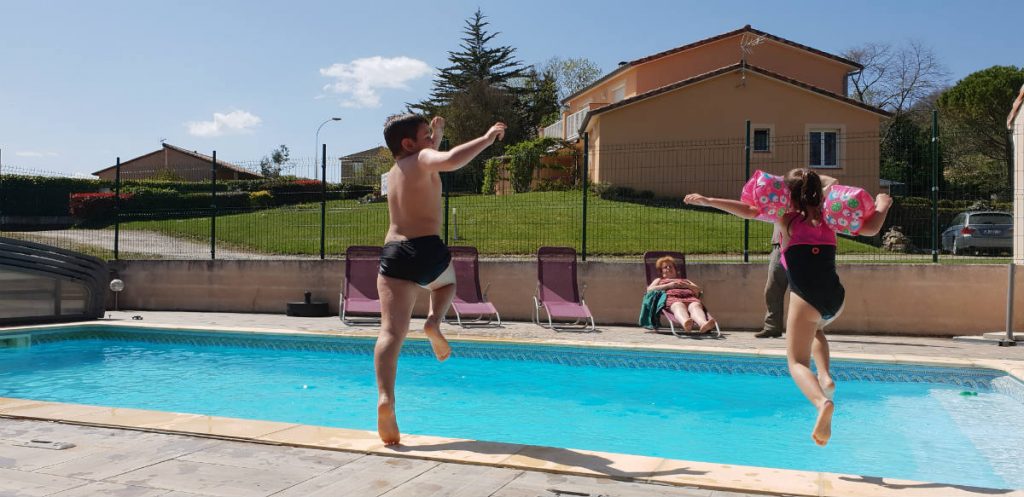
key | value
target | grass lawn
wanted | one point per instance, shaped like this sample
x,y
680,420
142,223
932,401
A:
x,y
511,224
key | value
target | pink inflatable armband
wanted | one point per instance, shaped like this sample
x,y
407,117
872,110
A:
x,y
768,193
847,208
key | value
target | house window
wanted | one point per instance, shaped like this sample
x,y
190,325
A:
x,y
762,140
618,94
824,147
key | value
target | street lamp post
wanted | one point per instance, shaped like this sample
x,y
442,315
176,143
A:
x,y
316,148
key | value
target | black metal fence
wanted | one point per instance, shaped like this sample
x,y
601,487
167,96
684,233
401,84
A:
x,y
605,201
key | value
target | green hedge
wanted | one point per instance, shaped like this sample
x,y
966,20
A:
x,y
44,196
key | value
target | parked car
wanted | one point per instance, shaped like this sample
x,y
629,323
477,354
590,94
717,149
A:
x,y
976,232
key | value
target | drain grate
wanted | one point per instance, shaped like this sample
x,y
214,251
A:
x,y
45,444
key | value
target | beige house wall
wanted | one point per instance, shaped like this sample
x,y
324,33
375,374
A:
x,y
891,299
602,94
691,139
188,167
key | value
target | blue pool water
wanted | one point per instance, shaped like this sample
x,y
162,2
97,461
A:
x,y
899,421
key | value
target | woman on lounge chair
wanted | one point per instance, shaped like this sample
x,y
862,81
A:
x,y
682,297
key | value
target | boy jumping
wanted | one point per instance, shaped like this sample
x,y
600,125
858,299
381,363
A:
x,y
414,255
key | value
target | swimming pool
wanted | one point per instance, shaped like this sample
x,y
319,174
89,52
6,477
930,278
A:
x,y
911,422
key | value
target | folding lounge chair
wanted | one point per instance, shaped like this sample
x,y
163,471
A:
x,y
557,293
650,259
360,303
469,300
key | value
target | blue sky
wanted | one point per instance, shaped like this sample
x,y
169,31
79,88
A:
x,y
84,82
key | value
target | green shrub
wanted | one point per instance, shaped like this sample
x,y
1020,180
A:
x,y
552,185
262,198
492,169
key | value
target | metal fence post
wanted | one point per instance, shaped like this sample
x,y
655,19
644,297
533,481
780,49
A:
x,y
213,207
323,200
586,182
1009,341
746,174
935,186
117,207
445,187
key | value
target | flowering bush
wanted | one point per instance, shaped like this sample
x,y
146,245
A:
x,y
94,206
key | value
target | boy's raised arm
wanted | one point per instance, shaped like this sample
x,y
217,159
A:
x,y
462,154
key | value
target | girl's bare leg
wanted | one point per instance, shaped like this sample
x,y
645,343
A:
x,y
801,327
821,362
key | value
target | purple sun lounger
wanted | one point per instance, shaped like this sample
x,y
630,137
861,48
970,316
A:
x,y
557,293
650,259
360,304
469,301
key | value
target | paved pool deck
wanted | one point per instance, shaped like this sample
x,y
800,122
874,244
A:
x,y
155,456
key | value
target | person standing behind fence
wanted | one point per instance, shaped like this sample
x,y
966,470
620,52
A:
x,y
774,292
414,255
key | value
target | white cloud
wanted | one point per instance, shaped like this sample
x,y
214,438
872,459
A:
x,y
237,121
359,80
33,153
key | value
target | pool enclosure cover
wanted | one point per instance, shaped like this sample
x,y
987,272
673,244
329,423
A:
x,y
44,284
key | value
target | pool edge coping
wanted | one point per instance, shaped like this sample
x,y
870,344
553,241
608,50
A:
x,y
642,469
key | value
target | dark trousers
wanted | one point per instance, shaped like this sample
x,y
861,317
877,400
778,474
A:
x,y
775,292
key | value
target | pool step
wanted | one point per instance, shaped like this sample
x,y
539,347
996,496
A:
x,y
15,341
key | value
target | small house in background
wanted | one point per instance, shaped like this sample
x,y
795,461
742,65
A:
x,y
1015,122
175,163
361,167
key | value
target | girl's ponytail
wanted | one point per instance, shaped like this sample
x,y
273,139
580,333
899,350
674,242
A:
x,y
805,191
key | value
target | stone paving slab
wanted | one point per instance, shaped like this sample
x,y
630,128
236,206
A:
x,y
368,475
531,484
215,479
104,489
110,463
26,483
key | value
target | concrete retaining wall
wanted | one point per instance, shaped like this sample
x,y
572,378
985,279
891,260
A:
x,y
891,299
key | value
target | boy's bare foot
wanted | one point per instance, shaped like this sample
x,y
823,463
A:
x,y
432,328
828,385
708,326
823,426
387,424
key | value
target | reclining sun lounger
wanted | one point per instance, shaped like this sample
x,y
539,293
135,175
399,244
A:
x,y
469,300
360,304
557,293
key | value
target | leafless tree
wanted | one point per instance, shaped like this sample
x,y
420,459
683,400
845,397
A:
x,y
895,78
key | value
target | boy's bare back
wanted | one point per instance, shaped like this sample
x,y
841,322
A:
x,y
414,200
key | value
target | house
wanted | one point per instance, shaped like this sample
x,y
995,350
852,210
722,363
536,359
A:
x,y
1015,122
674,122
360,167
170,162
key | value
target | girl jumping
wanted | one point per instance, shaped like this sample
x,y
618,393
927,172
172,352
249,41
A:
x,y
809,256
